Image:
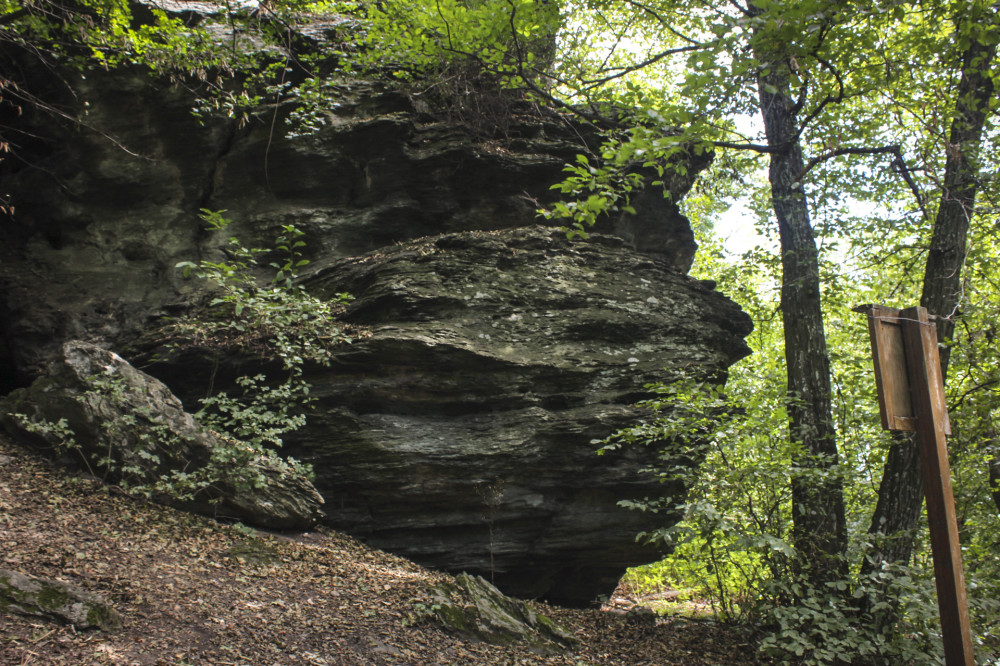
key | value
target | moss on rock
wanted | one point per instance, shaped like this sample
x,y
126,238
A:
x,y
41,597
474,608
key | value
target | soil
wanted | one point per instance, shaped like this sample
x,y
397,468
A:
x,y
193,591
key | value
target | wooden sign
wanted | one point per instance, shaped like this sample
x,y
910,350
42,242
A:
x,y
885,327
911,398
891,379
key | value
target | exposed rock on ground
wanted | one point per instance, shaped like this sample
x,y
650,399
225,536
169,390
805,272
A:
x,y
472,607
30,595
114,411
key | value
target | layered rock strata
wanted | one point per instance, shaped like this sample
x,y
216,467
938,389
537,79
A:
x,y
461,432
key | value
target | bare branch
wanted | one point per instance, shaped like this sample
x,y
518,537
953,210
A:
x,y
753,147
898,162
663,22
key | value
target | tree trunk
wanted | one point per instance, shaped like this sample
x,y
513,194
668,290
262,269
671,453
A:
x,y
819,529
900,497
943,292
900,494
994,471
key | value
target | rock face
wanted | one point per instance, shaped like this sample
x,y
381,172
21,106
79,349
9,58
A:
x,y
460,432
116,411
105,227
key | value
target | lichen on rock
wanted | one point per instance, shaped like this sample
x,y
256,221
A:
x,y
41,597
474,608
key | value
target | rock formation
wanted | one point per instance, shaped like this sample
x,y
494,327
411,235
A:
x,y
104,222
113,411
41,597
461,432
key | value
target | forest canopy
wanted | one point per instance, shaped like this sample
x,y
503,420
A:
x,y
862,137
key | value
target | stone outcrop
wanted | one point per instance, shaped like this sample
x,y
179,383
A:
x,y
461,432
473,608
104,223
114,411
52,599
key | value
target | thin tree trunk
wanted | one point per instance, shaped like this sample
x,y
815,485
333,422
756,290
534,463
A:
x,y
819,529
900,494
994,469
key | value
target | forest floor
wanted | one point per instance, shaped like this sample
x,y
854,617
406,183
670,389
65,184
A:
x,y
193,591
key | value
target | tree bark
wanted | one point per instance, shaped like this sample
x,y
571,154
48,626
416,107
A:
x,y
900,494
900,497
994,470
943,292
819,529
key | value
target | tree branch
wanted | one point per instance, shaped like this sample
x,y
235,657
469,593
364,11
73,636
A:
x,y
898,162
978,387
740,8
826,100
41,105
13,16
592,120
593,83
663,22
754,147
447,26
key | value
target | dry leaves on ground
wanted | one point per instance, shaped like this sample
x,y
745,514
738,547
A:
x,y
193,591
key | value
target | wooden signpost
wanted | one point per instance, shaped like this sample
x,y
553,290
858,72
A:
x,y
911,398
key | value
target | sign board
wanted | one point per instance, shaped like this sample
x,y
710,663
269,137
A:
x,y
885,327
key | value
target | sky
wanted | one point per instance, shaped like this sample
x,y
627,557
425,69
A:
x,y
736,228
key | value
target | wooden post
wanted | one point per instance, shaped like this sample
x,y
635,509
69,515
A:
x,y
921,378
927,388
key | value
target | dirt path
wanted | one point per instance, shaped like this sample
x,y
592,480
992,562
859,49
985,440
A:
x,y
196,592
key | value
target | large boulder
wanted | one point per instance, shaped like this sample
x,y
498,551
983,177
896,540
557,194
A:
x,y
461,431
130,426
